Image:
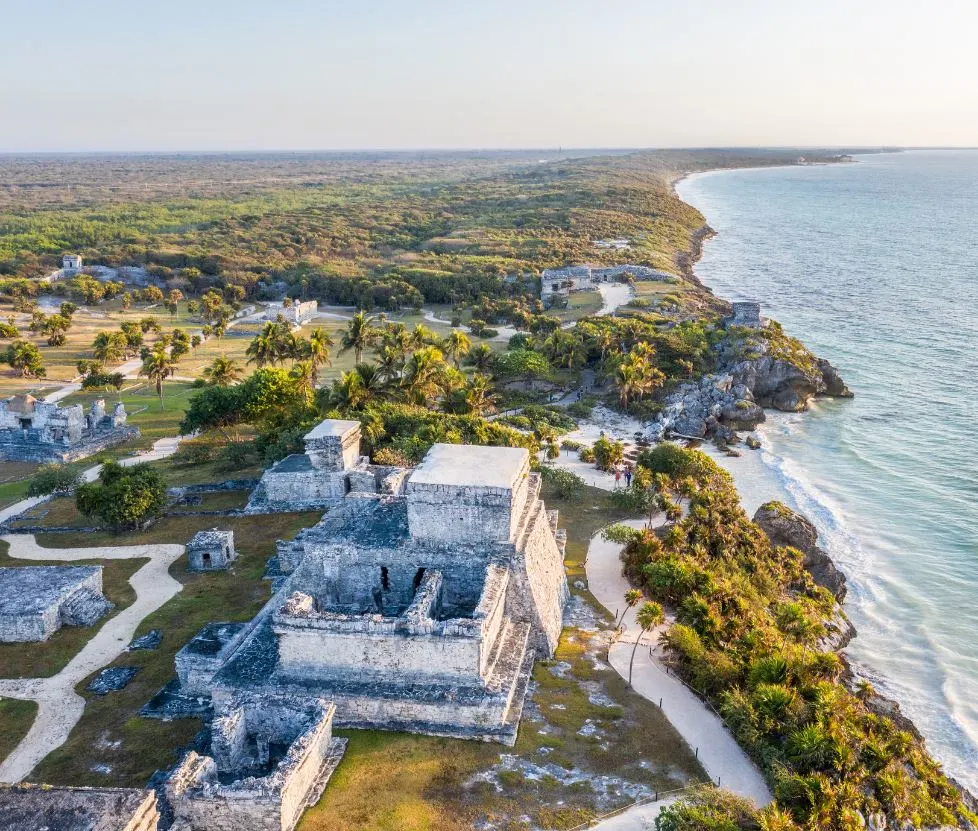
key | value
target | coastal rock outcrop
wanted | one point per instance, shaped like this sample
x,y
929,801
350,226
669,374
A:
x,y
784,527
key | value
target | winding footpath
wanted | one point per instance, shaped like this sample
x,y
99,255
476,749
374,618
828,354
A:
x,y
59,706
721,756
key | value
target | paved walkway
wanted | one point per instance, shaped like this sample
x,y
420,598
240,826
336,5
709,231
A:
x,y
59,706
719,753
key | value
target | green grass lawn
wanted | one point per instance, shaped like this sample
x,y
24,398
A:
x,y
16,718
579,304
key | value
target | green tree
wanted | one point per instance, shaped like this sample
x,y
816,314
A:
x,y
123,498
359,335
54,479
109,347
456,346
223,372
25,357
157,367
648,617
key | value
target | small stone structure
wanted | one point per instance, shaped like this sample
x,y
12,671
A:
x,y
203,656
211,550
331,468
35,807
71,264
272,758
298,313
418,603
36,431
36,601
561,282
745,313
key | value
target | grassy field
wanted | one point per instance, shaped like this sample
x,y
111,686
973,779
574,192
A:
x,y
16,718
111,733
579,304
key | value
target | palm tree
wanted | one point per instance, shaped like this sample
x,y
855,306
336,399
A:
x,y
479,396
262,350
648,617
109,347
223,372
372,380
158,366
390,362
317,348
421,336
347,392
456,346
359,334
632,596
422,375
304,374
481,357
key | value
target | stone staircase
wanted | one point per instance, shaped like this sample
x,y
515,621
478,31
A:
x,y
84,607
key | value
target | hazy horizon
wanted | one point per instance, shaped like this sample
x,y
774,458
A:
x,y
303,76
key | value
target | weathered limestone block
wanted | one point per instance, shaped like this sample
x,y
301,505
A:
x,y
27,807
35,601
333,444
203,656
211,550
464,493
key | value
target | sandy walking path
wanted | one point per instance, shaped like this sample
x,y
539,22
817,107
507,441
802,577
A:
x,y
722,758
59,706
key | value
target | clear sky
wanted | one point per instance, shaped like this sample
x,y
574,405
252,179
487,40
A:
x,y
321,74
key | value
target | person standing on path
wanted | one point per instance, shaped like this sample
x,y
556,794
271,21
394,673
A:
x,y
617,476
628,476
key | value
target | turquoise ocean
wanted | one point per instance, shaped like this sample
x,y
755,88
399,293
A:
x,y
874,265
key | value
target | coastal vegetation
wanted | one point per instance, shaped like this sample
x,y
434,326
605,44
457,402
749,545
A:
x,y
753,634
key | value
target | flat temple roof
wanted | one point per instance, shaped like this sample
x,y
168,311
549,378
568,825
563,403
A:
x,y
332,427
466,465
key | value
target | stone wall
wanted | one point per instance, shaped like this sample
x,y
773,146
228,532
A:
x,y
539,583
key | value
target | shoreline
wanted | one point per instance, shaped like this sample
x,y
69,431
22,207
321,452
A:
x,y
730,464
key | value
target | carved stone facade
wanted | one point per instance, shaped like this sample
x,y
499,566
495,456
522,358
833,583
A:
x,y
745,313
35,431
298,313
36,601
331,468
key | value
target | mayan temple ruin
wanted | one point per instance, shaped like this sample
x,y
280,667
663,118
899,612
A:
x,y
36,431
418,603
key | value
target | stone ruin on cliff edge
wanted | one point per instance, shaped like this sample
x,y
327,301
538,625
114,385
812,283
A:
x,y
418,603
36,431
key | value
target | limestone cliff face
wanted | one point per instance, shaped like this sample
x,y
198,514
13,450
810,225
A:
x,y
782,385
786,528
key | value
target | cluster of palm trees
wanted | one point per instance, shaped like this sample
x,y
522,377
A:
x,y
414,366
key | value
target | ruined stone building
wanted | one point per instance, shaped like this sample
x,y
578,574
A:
x,y
71,264
36,601
211,550
36,431
419,602
37,807
558,283
298,313
272,757
745,313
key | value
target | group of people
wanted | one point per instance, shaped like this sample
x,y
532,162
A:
x,y
623,470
